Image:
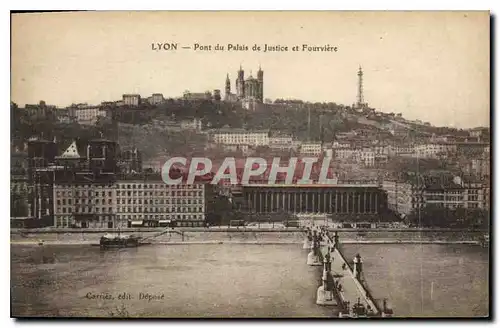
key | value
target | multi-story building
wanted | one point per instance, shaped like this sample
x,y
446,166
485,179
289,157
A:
x,y
197,96
311,148
132,200
40,110
433,150
85,114
403,196
156,99
281,142
150,202
401,150
479,167
480,132
341,144
131,99
344,153
85,202
367,157
19,183
364,156
241,137
41,154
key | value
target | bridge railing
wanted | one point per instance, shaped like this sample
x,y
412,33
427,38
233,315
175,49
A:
x,y
365,292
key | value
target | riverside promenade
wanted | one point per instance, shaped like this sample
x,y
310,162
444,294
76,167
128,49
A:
x,y
247,234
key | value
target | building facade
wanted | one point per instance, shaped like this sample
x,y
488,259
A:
x,y
433,150
241,137
85,205
281,142
340,199
148,202
86,114
129,202
405,196
157,98
197,96
131,100
311,149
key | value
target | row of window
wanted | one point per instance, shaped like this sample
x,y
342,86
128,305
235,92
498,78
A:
x,y
95,201
132,186
131,193
158,186
160,209
161,217
158,201
65,210
130,209
160,193
84,193
107,218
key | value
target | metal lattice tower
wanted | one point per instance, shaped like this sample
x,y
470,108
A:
x,y
360,88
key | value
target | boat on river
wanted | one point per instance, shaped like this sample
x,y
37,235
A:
x,y
119,241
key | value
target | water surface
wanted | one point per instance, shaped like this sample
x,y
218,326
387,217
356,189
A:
x,y
239,280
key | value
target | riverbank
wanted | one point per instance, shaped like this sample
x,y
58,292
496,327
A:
x,y
367,242
246,236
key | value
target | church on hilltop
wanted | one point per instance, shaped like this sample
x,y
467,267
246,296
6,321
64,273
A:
x,y
249,91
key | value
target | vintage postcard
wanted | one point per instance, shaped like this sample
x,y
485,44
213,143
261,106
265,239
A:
x,y
250,164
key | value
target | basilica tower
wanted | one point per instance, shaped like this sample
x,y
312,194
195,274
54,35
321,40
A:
x,y
240,84
228,88
260,79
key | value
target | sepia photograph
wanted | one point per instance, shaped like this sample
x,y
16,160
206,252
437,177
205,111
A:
x,y
250,164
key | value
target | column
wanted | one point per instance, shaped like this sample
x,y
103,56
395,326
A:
x,y
325,210
346,210
255,201
334,196
341,202
267,201
283,196
289,208
364,201
261,202
349,202
313,196
249,202
300,202
331,210
294,202
277,200
272,198
376,203
359,202
353,197
370,202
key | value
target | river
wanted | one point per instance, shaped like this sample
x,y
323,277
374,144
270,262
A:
x,y
235,280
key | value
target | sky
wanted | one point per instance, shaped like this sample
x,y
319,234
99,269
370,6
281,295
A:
x,y
432,66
